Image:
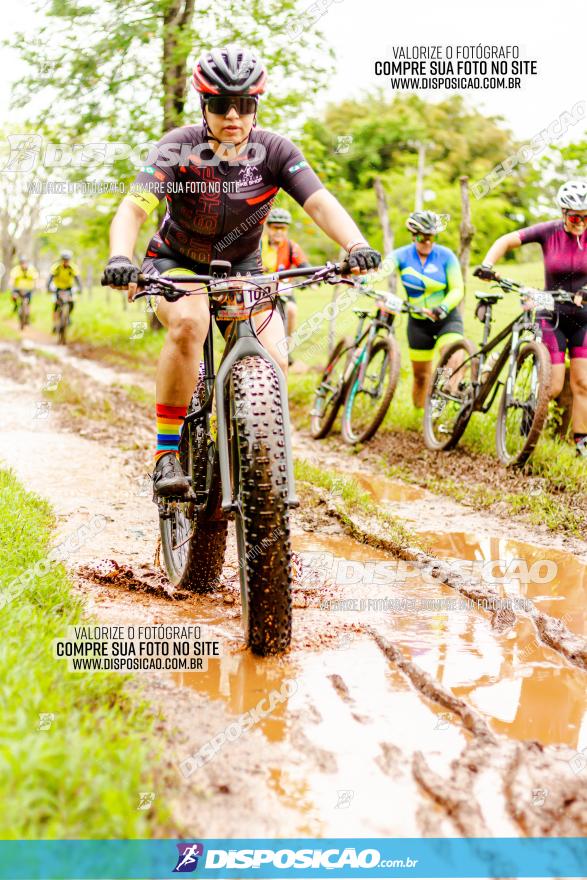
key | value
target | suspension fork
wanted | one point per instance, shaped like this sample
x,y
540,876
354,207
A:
x,y
246,345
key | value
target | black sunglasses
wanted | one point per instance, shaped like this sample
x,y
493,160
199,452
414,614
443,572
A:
x,y
221,104
424,236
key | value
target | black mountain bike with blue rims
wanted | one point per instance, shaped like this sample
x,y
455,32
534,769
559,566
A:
x,y
361,375
467,380
243,466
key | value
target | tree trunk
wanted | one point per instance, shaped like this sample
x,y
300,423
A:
x,y
89,280
176,49
466,230
419,200
386,227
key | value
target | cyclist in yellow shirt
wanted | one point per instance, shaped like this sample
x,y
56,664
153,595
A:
x,y
23,281
63,282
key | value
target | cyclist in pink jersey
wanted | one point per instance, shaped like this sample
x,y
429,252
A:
x,y
564,247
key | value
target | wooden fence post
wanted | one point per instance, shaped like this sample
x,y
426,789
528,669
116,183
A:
x,y
388,238
466,231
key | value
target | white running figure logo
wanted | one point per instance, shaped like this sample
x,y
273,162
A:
x,y
189,856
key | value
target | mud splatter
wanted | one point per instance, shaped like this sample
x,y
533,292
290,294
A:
x,y
147,579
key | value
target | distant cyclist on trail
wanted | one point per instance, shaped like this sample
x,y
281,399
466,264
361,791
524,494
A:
x,y
431,276
63,282
278,252
22,281
564,248
219,179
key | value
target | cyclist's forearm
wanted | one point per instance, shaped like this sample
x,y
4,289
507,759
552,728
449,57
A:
x,y
124,229
453,298
333,220
500,248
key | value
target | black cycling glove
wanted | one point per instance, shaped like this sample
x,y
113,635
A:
x,y
119,272
484,272
440,312
364,258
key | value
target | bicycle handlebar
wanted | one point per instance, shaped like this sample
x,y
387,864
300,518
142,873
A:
x,y
509,285
162,285
405,307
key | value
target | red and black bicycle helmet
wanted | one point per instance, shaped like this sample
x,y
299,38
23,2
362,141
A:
x,y
233,70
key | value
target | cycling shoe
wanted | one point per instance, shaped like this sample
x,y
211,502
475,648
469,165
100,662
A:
x,y
168,478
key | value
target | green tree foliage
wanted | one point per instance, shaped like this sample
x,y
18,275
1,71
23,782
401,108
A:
x,y
359,139
118,72
121,67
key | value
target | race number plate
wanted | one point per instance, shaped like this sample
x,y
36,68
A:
x,y
541,299
243,298
391,304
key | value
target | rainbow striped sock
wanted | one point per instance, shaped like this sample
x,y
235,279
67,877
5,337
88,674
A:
x,y
169,424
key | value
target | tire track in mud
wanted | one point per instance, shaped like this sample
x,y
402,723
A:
x,y
522,768
551,631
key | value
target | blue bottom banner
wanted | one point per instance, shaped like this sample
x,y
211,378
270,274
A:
x,y
303,857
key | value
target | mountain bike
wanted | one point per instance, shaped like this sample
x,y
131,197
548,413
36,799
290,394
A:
x,y
24,308
63,307
467,380
243,466
363,373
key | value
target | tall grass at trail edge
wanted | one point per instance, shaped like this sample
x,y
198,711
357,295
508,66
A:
x,y
81,777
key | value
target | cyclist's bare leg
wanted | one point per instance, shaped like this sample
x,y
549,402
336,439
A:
x,y
557,379
272,337
187,322
579,389
422,372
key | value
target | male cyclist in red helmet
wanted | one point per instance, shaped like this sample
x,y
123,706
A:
x,y
219,180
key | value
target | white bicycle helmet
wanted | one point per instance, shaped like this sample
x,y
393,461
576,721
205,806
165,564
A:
x,y
573,195
426,222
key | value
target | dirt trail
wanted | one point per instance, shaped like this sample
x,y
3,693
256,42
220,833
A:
x,y
453,723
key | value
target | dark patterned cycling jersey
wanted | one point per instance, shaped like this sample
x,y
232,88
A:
x,y
216,204
565,255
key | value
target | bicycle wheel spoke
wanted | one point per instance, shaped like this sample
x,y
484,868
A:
x,y
369,397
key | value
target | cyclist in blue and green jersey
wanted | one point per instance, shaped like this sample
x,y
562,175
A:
x,y
432,279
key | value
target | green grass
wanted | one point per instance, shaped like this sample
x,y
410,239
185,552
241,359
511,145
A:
x,y
349,498
81,778
100,321
140,395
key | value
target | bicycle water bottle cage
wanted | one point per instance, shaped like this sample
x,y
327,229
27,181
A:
x,y
220,268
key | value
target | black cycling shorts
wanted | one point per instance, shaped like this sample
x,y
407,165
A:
x,y
423,334
167,259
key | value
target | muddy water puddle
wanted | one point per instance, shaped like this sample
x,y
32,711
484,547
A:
x,y
524,688
355,740
555,581
383,489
